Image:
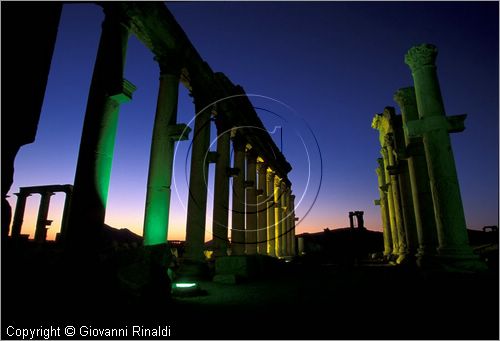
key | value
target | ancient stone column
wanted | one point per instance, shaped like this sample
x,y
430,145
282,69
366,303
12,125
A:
x,y
384,209
42,222
278,216
221,188
434,126
17,223
289,223
238,207
198,180
390,205
251,204
419,178
271,213
108,90
65,215
162,154
351,220
396,195
262,209
292,225
283,222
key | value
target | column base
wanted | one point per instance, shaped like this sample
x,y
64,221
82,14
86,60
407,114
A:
x,y
460,260
406,259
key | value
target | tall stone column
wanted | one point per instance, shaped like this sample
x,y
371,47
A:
x,y
251,204
108,90
198,182
419,178
284,220
271,213
162,154
278,216
390,205
384,210
221,188
238,207
292,224
262,209
396,195
289,223
17,223
66,209
42,222
434,126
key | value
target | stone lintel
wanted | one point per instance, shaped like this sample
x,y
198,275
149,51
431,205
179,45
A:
x,y
178,132
452,124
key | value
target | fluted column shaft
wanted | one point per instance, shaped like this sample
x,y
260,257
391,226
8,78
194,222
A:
x,y
271,214
161,157
238,207
384,209
17,223
198,179
221,189
108,90
251,205
41,222
419,178
262,209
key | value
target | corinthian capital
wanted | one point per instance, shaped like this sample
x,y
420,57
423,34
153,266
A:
x,y
420,56
405,97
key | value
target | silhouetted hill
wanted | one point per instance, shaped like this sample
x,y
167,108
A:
x,y
121,236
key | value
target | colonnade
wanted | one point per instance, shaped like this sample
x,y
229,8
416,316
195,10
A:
x,y
421,207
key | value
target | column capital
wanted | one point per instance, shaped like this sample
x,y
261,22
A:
x,y
270,175
405,97
277,181
170,64
421,56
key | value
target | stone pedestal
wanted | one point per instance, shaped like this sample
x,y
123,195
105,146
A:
x,y
434,126
419,178
251,205
271,214
108,90
238,207
162,154
221,188
262,209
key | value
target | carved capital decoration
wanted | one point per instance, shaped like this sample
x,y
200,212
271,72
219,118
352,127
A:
x,y
421,56
405,97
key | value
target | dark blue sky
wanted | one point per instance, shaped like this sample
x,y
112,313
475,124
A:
x,y
333,65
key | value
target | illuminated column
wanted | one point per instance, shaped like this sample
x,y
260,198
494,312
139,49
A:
x,y
384,210
283,221
262,209
162,154
289,224
292,224
42,222
108,90
251,204
19,213
277,217
198,181
419,178
271,220
238,208
434,126
221,188
396,195
390,205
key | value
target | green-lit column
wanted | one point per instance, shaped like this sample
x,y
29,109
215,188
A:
x,y
292,224
278,216
390,205
434,127
384,210
396,195
17,222
108,90
162,155
41,221
419,178
251,204
271,220
262,209
238,207
221,188
198,182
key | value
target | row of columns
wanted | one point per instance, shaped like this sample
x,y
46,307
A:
x,y
262,211
421,207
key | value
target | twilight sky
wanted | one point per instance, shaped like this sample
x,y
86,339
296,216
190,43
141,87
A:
x,y
318,70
